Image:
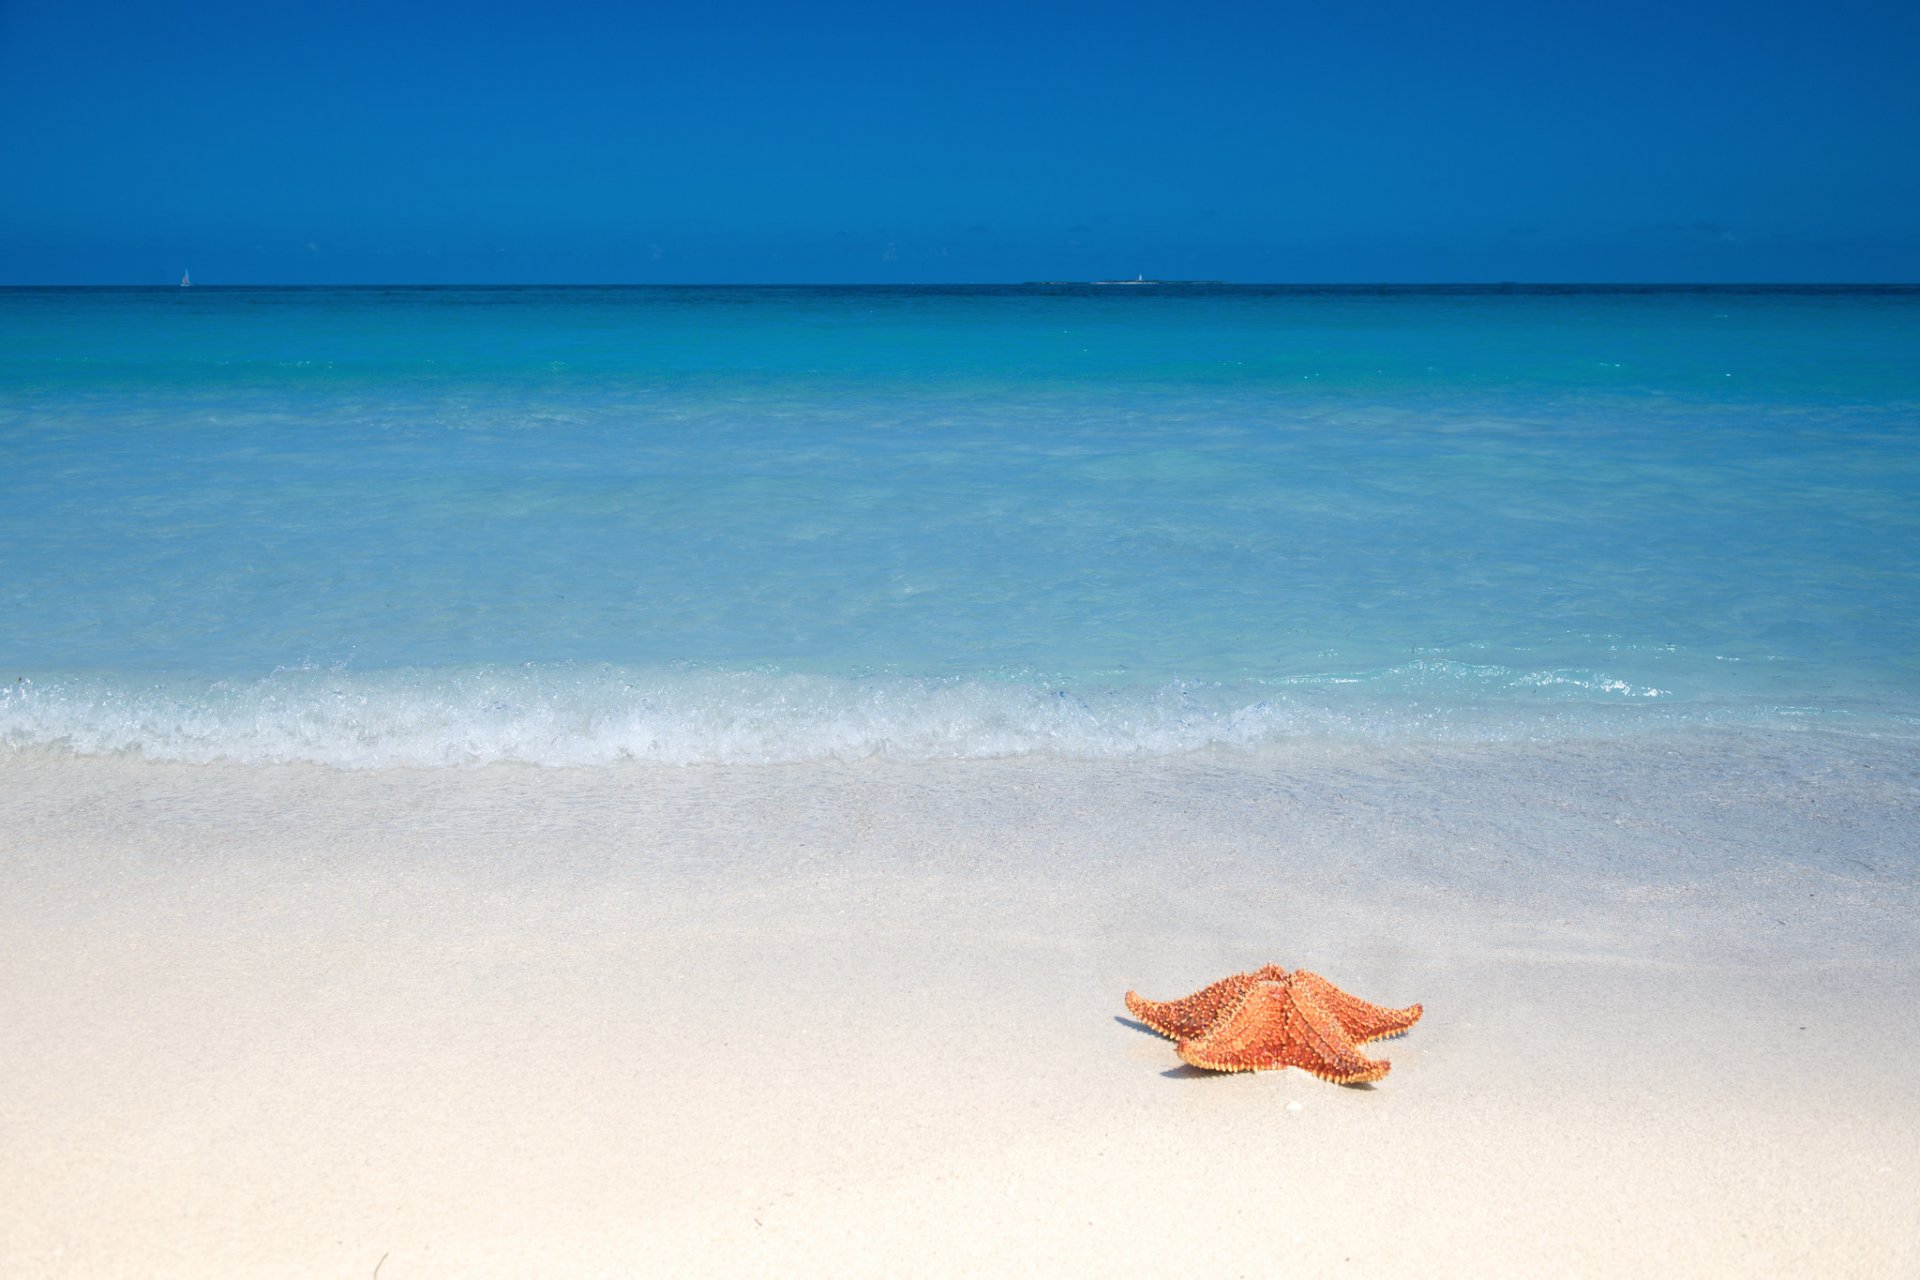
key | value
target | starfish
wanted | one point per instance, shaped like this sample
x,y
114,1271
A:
x,y
1269,1018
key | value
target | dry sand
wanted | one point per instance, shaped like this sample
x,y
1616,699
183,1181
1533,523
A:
x,y
866,1019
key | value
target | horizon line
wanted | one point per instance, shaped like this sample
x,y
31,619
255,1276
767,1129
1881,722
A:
x,y
1001,284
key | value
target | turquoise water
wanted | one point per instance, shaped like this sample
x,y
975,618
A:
x,y
382,526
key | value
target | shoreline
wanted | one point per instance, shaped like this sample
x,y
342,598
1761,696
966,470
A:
x,y
859,1018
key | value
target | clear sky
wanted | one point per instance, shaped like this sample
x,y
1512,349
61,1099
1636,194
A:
x,y
439,141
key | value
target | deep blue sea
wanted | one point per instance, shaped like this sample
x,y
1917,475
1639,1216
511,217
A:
x,y
422,526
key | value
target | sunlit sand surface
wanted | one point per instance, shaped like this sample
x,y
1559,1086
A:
x,y
866,1019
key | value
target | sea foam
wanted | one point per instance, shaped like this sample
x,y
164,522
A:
x,y
593,715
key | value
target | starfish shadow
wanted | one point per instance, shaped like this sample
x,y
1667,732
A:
x,y
1185,1072
1138,1026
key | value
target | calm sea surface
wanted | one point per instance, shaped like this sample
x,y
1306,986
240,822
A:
x,y
379,526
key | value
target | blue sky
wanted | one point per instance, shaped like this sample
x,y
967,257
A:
x,y
480,142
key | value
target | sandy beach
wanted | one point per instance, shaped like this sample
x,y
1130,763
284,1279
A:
x,y
866,1019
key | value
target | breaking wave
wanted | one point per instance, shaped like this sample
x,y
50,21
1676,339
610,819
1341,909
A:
x,y
593,715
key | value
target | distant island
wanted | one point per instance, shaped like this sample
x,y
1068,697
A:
x,y
1136,281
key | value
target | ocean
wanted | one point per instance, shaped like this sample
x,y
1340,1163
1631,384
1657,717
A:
x,y
382,527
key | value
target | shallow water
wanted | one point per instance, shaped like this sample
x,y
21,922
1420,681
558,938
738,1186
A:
x,y
375,527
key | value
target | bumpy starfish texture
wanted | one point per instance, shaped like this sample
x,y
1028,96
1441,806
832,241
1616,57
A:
x,y
1185,1019
1364,1023
1282,1024
1269,1019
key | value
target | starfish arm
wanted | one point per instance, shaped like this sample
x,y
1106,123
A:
x,y
1282,1024
1362,1022
1187,1018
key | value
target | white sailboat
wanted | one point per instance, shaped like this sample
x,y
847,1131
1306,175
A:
x,y
186,281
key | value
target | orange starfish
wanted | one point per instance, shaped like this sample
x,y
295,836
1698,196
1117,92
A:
x,y
1269,1018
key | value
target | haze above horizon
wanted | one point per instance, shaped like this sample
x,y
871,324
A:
x,y
429,143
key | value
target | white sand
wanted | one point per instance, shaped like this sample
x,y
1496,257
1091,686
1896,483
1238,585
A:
x,y
867,1020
